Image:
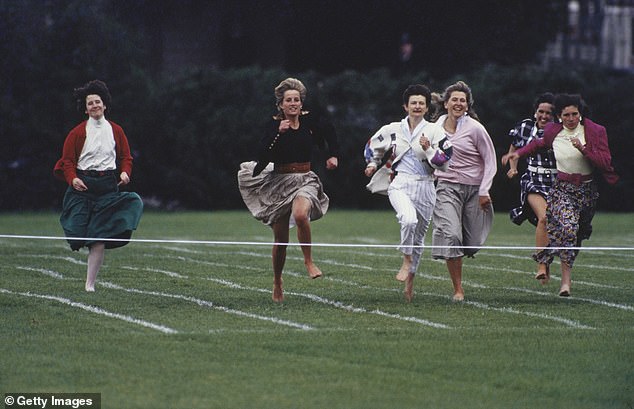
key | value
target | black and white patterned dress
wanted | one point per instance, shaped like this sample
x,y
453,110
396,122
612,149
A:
x,y
540,174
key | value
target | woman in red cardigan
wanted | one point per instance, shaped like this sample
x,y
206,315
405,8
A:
x,y
582,155
93,207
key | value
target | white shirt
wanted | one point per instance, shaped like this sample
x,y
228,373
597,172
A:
x,y
99,151
409,163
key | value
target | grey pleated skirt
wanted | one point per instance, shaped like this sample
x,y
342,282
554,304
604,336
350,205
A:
x,y
269,196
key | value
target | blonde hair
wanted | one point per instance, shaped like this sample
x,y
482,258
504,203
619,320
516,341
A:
x,y
287,85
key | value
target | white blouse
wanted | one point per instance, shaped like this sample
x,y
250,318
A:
x,y
99,149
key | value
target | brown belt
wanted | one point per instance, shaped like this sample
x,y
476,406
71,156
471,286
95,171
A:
x,y
295,167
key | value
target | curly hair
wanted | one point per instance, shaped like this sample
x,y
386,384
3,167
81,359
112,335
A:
x,y
565,100
94,87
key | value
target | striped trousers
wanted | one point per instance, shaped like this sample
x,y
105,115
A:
x,y
413,198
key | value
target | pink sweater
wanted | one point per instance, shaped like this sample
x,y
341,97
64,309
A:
x,y
473,161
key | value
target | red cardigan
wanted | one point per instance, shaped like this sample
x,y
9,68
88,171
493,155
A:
x,y
65,168
597,150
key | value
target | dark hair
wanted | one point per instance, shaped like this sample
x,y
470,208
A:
x,y
545,98
416,89
565,100
419,89
94,87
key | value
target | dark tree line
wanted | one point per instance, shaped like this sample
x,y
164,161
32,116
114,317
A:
x,y
190,131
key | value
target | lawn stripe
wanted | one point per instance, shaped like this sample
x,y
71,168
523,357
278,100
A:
x,y
565,321
96,310
208,304
336,304
155,270
624,307
51,257
480,305
44,271
200,302
507,255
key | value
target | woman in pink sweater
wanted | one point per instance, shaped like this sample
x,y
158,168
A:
x,y
463,214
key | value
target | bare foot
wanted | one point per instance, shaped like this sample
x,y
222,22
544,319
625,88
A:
x,y
543,274
458,297
564,291
403,272
313,271
409,288
90,288
546,279
278,293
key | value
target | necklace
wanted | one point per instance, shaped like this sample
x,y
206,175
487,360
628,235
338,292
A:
x,y
569,135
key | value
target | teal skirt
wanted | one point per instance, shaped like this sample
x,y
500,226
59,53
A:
x,y
101,212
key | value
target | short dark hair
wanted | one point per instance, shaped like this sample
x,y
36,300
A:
x,y
416,89
545,98
94,87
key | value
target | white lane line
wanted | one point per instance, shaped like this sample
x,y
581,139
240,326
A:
x,y
44,271
208,304
50,257
156,270
200,302
336,304
484,306
95,310
624,307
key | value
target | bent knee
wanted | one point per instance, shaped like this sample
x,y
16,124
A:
x,y
301,218
408,220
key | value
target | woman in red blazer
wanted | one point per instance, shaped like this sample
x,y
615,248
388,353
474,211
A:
x,y
582,155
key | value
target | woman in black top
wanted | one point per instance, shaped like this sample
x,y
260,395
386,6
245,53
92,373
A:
x,y
280,189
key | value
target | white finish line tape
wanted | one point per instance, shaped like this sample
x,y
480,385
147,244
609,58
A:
x,y
259,243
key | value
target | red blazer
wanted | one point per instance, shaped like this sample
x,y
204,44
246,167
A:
x,y
597,150
65,168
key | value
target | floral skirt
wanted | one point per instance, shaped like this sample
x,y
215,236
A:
x,y
269,196
569,209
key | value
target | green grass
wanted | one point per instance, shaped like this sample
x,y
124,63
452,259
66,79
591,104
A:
x,y
348,340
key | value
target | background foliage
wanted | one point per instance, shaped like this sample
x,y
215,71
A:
x,y
190,132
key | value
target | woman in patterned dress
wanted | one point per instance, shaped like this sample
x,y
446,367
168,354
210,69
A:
x,y
582,154
540,174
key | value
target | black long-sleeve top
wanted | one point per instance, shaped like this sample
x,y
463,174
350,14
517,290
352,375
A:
x,y
295,145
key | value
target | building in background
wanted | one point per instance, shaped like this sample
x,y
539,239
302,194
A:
x,y
597,32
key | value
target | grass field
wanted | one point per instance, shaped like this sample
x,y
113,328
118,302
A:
x,y
176,324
